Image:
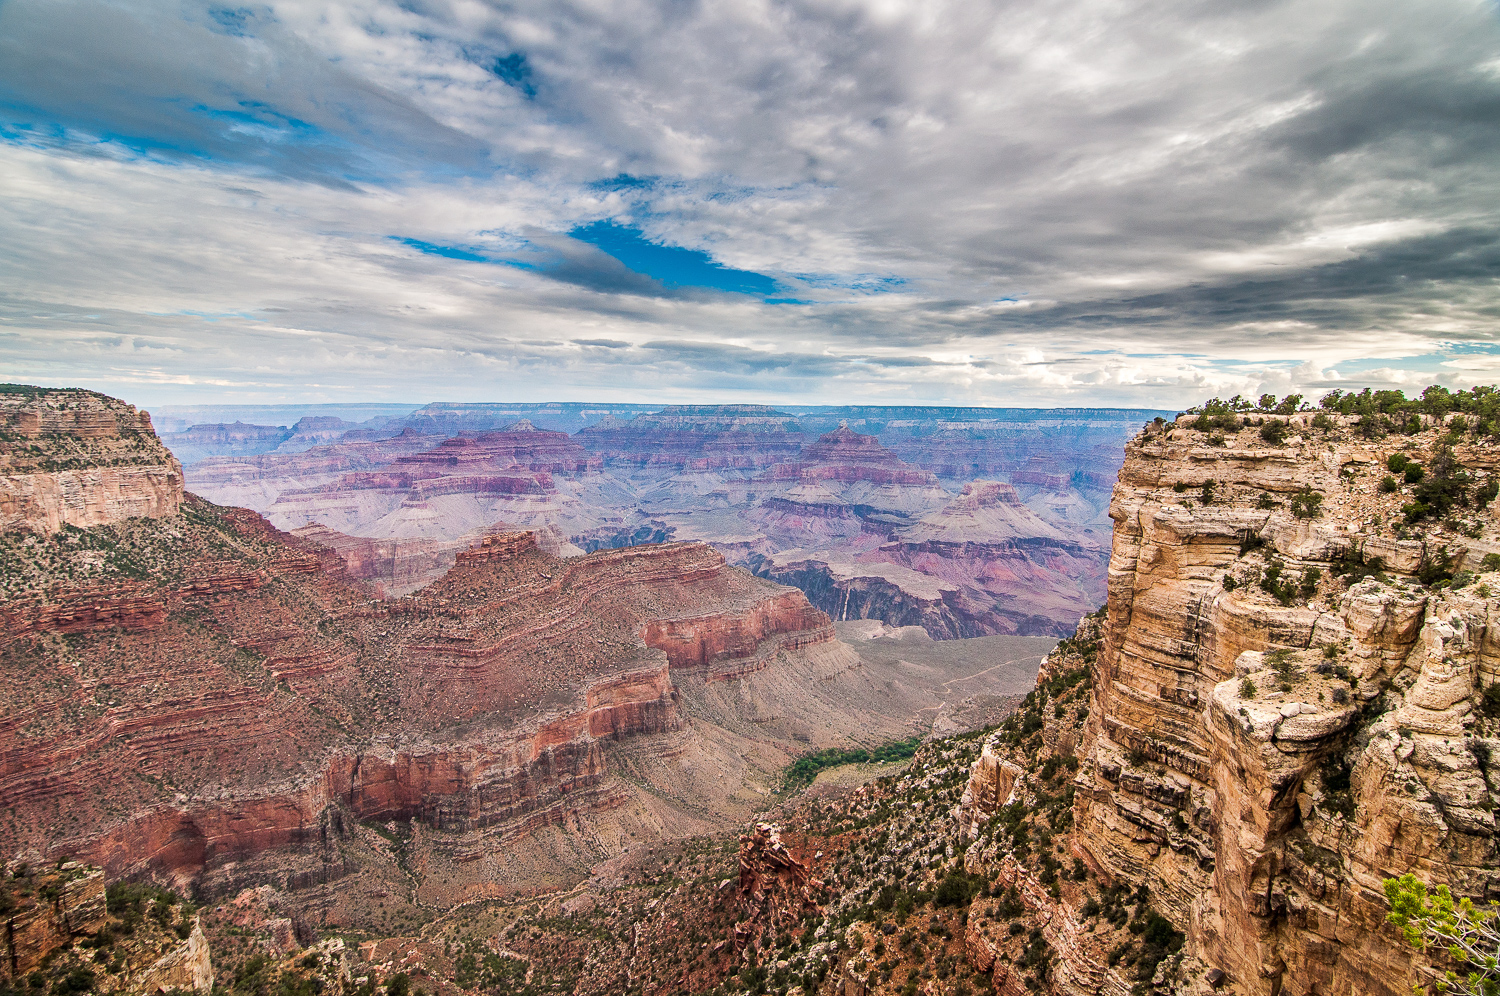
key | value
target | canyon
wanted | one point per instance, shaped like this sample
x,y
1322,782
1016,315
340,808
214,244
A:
x,y
531,773
818,498
200,699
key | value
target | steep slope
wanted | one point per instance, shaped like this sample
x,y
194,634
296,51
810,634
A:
x,y
1288,706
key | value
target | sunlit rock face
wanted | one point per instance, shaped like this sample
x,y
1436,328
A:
x,y
1261,756
76,458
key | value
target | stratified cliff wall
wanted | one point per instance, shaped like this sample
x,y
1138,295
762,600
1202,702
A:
x,y
76,458
1288,706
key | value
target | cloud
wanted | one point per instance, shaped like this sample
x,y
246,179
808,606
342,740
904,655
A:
x,y
945,201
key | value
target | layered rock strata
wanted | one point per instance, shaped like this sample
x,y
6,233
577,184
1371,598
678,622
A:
x,y
540,662
697,438
239,691
1283,714
80,459
43,911
984,564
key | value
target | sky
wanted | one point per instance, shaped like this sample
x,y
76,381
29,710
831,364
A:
x,y
1030,203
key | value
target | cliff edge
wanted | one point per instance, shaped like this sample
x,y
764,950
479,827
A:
x,y
76,458
1293,696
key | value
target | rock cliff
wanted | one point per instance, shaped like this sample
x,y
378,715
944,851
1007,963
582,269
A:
x,y
697,438
43,910
80,459
1288,703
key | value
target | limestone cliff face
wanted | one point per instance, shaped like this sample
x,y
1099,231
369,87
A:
x,y
58,906
1264,745
76,458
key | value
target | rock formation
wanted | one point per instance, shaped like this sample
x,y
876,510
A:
x,y
1288,706
862,472
76,458
697,438
776,889
43,910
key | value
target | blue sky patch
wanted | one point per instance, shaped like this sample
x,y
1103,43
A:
x,y
514,70
447,252
672,266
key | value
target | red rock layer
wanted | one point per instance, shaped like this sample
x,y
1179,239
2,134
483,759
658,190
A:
x,y
98,461
846,456
709,640
520,447
254,697
698,438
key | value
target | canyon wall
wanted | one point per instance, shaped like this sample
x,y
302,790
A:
x,y
1288,705
76,458
487,702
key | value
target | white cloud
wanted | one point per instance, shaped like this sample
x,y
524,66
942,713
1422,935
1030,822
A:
x,y
1165,199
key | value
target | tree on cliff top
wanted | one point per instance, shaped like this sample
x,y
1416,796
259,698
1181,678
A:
x,y
1468,934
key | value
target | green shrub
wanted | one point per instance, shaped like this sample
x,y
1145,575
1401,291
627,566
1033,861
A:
x,y
1388,485
957,889
1307,503
1274,431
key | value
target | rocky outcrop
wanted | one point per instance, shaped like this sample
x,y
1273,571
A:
x,y
76,458
776,889
1273,731
187,966
44,910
